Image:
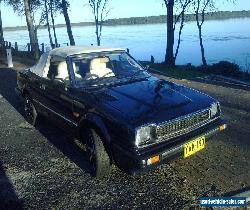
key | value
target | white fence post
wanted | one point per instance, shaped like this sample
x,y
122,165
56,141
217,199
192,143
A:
x,y
9,58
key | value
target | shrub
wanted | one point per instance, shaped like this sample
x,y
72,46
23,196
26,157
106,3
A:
x,y
207,69
225,68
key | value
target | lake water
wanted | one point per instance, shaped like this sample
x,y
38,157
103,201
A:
x,y
223,40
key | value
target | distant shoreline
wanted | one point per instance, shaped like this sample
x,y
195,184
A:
x,y
222,15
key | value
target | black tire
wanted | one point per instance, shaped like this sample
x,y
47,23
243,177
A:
x,y
31,114
98,157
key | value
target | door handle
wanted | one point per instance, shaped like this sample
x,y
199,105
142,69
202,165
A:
x,y
43,86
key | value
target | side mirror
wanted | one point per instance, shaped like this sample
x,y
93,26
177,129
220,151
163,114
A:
x,y
147,67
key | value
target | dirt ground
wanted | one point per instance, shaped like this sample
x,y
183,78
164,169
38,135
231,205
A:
x,y
44,168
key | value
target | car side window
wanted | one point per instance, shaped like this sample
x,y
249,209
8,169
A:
x,y
52,73
81,68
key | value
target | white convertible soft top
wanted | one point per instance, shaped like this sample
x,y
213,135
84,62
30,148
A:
x,y
42,67
76,50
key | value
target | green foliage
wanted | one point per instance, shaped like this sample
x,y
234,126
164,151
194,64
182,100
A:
x,y
35,5
188,17
58,6
150,20
225,68
18,6
183,72
189,71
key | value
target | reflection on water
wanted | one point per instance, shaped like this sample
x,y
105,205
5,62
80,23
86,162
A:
x,y
223,40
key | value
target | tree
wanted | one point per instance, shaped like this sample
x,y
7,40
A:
x,y
183,4
64,7
1,27
52,9
172,20
46,11
29,7
169,57
31,28
201,7
100,11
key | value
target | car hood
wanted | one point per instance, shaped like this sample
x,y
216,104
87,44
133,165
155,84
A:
x,y
153,100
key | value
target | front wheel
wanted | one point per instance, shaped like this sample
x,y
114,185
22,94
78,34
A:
x,y
30,111
97,155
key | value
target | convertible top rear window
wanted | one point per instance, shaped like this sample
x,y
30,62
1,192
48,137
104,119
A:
x,y
42,67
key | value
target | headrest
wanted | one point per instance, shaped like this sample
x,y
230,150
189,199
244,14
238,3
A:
x,y
97,61
102,60
62,66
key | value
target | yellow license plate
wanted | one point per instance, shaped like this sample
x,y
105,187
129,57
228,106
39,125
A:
x,y
194,146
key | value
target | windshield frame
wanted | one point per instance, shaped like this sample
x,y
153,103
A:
x,y
85,84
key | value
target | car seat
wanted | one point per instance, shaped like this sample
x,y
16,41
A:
x,y
98,66
62,71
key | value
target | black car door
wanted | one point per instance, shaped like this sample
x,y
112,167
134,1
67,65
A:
x,y
37,90
61,104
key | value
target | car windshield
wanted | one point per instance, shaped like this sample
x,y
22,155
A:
x,y
105,68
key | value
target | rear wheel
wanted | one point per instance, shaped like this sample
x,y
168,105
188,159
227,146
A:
x,y
97,155
30,111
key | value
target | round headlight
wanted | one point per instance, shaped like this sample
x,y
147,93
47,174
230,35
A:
x,y
144,135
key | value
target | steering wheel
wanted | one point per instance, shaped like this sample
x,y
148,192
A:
x,y
91,76
66,78
105,75
59,79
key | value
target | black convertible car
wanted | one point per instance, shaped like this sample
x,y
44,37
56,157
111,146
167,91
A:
x,y
111,103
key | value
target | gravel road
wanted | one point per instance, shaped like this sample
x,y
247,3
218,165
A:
x,y
43,167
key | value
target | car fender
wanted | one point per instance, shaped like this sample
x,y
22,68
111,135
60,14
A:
x,y
95,121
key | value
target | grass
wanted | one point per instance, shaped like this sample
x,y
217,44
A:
x,y
182,72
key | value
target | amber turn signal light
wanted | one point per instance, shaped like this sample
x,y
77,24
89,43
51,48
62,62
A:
x,y
153,160
223,127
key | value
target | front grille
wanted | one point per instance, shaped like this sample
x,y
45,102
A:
x,y
182,125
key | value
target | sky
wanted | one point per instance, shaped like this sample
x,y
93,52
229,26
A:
x,y
80,12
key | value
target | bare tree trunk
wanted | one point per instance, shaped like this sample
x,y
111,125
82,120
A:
x,y
67,21
184,6
53,22
204,61
97,33
169,58
179,38
100,12
98,41
32,30
1,27
48,25
199,25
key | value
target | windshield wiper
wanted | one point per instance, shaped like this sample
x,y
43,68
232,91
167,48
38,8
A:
x,y
135,75
98,82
